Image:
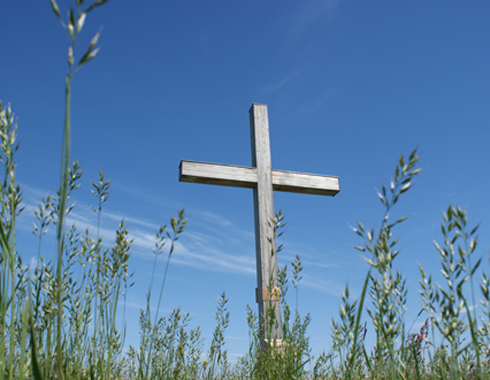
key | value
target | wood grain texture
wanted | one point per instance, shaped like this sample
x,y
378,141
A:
x,y
218,174
305,183
265,244
242,176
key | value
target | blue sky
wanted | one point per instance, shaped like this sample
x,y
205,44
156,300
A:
x,y
349,85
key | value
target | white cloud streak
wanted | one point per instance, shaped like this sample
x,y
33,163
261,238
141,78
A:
x,y
309,13
214,244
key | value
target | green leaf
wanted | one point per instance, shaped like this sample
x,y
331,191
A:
x,y
71,31
81,21
405,188
473,270
361,227
89,55
5,245
95,5
94,41
56,10
91,52
473,231
36,371
415,172
370,262
70,56
72,17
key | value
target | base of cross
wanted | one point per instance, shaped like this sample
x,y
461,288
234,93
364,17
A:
x,y
269,299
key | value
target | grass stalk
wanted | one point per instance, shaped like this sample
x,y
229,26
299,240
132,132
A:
x,y
355,349
65,159
178,224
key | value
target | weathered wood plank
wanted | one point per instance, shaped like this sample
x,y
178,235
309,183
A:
x,y
242,176
218,174
305,183
265,243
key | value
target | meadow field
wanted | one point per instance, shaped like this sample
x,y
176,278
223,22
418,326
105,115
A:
x,y
65,318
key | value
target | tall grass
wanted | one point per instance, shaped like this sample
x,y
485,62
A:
x,y
65,318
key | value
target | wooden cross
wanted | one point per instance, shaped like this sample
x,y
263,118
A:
x,y
263,180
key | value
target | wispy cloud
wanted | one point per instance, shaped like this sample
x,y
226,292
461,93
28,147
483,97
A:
x,y
219,227
214,244
205,247
274,87
196,249
216,260
214,218
324,287
34,194
308,106
117,217
309,13
146,195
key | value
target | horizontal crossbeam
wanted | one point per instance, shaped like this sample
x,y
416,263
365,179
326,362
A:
x,y
241,176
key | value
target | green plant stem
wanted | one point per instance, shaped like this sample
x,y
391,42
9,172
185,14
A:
x,y
358,322
158,305
12,324
65,160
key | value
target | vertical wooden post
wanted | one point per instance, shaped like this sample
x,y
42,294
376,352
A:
x,y
267,292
